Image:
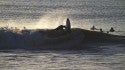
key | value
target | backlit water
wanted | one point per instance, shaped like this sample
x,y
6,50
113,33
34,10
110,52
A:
x,y
51,13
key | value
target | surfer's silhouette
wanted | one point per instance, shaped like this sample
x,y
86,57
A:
x,y
112,29
101,30
61,27
93,28
68,25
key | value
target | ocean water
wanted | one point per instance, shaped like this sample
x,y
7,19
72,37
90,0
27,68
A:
x,y
108,57
49,14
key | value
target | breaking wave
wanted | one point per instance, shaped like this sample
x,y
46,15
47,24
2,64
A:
x,y
54,39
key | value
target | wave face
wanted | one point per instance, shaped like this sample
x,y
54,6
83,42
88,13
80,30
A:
x,y
55,39
40,39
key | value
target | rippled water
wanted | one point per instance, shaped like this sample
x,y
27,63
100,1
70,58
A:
x,y
109,57
51,13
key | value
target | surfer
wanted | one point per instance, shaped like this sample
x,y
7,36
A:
x,y
101,30
112,29
68,25
61,27
93,28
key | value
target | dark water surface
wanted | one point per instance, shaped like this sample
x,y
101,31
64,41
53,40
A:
x,y
110,57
